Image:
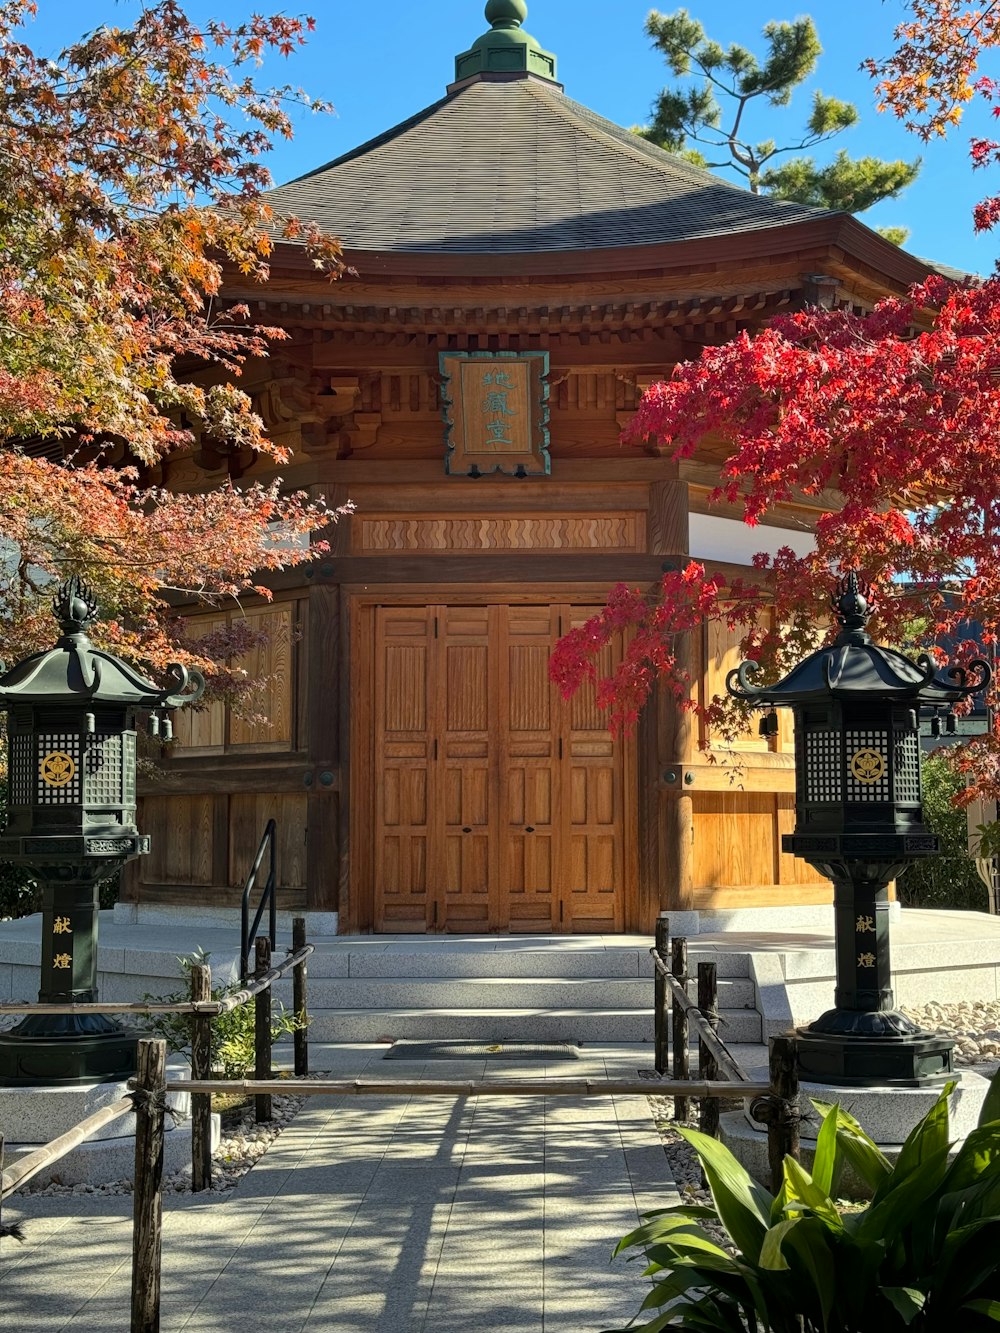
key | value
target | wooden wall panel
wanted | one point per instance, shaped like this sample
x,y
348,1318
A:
x,y
181,831
734,839
248,815
201,728
792,869
270,662
722,655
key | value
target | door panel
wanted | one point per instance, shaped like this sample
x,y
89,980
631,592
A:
x,y
594,809
529,770
497,805
463,777
403,767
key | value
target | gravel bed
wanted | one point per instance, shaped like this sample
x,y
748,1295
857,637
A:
x,y
974,1024
242,1144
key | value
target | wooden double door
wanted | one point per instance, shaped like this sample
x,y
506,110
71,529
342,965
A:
x,y
497,806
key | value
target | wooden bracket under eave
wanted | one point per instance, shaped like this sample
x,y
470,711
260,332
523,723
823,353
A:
x,y
362,432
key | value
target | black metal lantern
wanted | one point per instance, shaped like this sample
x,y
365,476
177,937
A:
x,y
71,750
859,820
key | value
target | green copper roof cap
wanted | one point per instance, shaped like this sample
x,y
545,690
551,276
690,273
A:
x,y
506,48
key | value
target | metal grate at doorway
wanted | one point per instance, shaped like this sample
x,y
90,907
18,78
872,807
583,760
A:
x,y
481,1050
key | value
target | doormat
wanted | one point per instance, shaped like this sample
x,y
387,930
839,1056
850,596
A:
x,y
478,1050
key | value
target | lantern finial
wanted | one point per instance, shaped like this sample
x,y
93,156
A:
x,y
853,602
74,606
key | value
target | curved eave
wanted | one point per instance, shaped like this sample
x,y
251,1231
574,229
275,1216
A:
x,y
56,676
838,231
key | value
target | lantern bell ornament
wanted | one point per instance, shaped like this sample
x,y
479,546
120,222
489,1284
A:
x,y
71,752
859,820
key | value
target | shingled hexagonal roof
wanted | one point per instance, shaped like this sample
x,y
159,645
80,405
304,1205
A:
x,y
507,164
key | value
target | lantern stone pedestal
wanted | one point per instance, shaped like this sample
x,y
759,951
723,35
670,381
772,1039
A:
x,y
887,1114
31,1116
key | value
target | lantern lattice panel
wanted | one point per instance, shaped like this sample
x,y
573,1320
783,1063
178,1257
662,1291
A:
x,y
20,770
102,766
907,768
57,768
128,790
822,766
865,740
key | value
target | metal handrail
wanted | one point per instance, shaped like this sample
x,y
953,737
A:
x,y
248,933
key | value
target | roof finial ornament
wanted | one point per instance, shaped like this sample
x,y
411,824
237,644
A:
x,y
506,13
74,606
506,51
853,602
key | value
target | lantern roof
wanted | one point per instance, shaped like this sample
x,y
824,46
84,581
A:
x,y
74,671
854,667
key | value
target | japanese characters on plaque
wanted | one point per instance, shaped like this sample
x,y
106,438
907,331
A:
x,y
496,413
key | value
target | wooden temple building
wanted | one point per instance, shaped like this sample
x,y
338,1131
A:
x,y
524,270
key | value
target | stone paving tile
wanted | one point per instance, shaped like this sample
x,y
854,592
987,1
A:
x,y
377,1216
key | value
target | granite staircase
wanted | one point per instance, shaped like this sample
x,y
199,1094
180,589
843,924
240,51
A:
x,y
538,989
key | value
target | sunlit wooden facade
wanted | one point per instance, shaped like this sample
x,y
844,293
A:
x,y
422,770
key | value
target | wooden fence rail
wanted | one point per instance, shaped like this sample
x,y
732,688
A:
x,y
775,1102
25,1168
777,1109
555,1087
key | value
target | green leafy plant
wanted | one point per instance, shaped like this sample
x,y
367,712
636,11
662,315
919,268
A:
x,y
949,880
232,1032
921,1256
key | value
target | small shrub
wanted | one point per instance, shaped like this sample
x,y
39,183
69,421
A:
x,y
920,1258
949,880
232,1032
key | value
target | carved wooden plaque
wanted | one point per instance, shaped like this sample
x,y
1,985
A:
x,y
496,412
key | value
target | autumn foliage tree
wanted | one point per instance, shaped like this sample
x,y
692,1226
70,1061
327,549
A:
x,y
887,423
931,77
893,434
132,176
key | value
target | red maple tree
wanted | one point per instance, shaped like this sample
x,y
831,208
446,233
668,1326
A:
x,y
897,415
889,424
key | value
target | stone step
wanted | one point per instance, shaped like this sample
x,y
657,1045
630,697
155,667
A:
x,y
583,1025
522,992
367,957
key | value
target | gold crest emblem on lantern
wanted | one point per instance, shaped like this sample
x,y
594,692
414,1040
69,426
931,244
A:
x,y
57,769
867,766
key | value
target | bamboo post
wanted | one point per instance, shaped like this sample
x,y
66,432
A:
x,y
147,1195
661,1042
708,1066
262,1030
299,999
201,1070
783,1122
681,1026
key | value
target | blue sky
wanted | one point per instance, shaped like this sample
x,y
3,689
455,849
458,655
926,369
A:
x,y
380,62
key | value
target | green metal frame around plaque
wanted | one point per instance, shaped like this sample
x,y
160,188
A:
x,y
496,413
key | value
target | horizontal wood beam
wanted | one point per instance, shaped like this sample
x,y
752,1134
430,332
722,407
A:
x,y
474,567
552,1087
